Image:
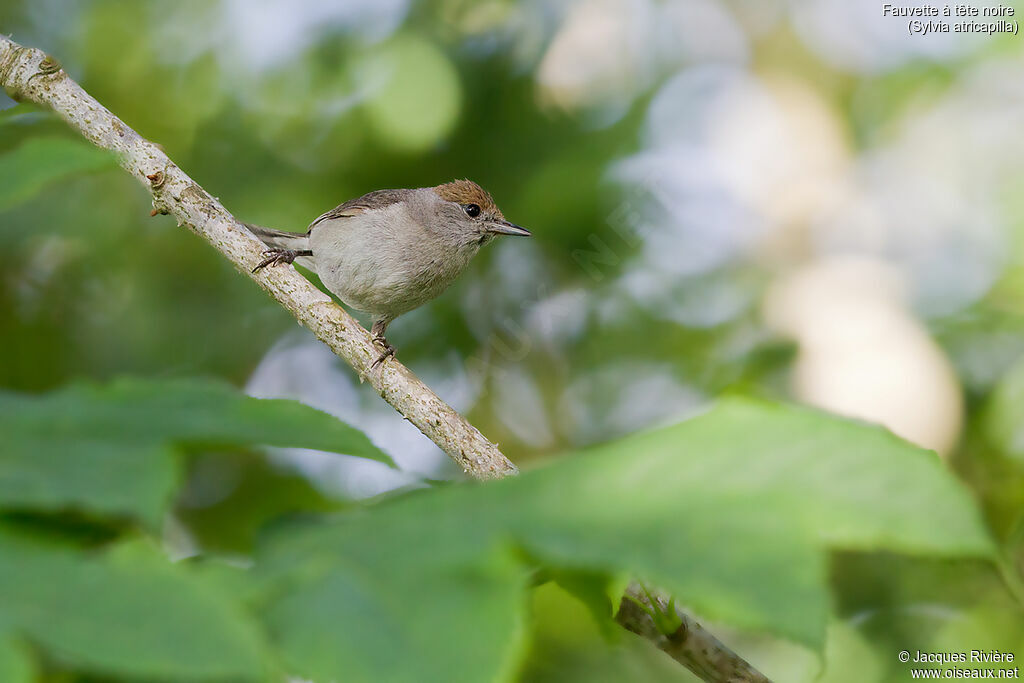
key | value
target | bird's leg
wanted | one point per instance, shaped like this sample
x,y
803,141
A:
x,y
379,326
275,257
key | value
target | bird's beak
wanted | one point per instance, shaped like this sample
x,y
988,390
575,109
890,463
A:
x,y
506,228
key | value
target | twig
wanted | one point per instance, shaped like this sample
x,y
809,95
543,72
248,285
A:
x,y
27,73
689,644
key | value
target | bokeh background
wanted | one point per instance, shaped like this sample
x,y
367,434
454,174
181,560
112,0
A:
x,y
786,198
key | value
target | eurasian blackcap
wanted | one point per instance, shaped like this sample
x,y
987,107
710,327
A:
x,y
390,251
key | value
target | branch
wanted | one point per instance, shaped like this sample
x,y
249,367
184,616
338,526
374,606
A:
x,y
29,74
689,644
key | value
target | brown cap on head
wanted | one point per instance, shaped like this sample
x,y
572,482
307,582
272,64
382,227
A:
x,y
468,192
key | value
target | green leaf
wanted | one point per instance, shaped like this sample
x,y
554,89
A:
x,y
596,523
404,622
731,512
857,485
41,471
601,592
16,664
109,449
1004,418
27,169
127,612
23,111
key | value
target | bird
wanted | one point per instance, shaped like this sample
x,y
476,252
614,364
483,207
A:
x,y
390,251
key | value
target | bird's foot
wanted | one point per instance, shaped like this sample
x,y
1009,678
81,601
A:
x,y
387,350
276,257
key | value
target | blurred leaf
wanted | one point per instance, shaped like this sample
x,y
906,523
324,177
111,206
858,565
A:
x,y
855,484
21,112
164,100
849,657
109,448
1004,419
128,612
404,620
730,511
252,492
41,471
230,581
15,662
420,97
986,627
599,591
566,647
26,170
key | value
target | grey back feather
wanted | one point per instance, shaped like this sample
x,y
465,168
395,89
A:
x,y
378,199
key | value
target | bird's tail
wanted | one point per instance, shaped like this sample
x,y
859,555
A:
x,y
280,238
298,241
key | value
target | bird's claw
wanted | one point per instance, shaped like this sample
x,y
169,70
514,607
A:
x,y
276,257
388,350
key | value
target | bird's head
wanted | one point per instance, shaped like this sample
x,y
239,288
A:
x,y
473,212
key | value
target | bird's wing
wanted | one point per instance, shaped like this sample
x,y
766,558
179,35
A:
x,y
378,199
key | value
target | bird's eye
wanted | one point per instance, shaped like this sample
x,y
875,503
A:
x,y
472,210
